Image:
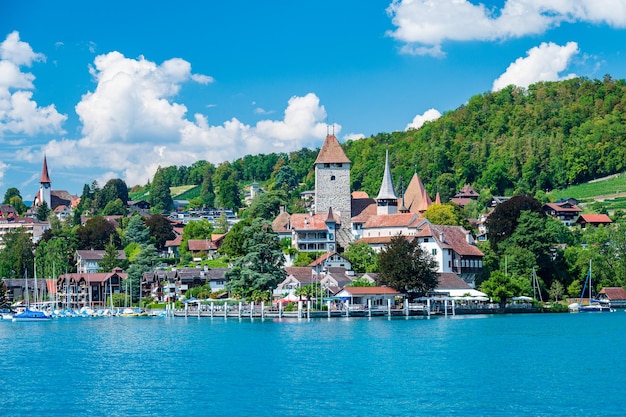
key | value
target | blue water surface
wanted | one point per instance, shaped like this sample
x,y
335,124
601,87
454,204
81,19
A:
x,y
509,365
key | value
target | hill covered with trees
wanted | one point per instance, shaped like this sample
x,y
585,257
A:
x,y
514,141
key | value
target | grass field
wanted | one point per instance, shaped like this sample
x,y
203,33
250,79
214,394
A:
x,y
609,191
184,192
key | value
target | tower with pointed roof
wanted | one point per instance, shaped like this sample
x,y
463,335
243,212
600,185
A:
x,y
332,186
386,201
44,185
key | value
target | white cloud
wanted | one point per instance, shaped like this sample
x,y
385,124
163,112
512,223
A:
x,y
420,119
19,113
425,24
542,63
132,125
3,168
354,136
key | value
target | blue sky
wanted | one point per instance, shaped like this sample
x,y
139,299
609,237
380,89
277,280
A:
x,y
114,89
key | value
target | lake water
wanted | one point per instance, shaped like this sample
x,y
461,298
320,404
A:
x,y
509,365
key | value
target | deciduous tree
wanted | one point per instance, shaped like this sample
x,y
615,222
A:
x,y
407,268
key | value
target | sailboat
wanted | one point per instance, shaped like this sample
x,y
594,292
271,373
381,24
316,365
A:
x,y
594,305
28,314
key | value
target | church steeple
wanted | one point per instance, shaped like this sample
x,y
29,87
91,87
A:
x,y
44,185
386,200
45,178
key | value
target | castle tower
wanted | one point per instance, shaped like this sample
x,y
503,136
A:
x,y
44,185
386,201
332,186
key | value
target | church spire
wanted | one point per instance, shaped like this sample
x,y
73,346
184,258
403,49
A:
x,y
45,178
386,187
386,200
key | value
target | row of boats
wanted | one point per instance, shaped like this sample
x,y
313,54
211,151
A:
x,y
28,314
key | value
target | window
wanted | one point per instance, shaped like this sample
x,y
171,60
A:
x,y
425,240
326,165
332,178
339,165
434,251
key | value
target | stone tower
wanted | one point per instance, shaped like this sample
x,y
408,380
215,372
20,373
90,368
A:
x,y
44,185
386,201
332,187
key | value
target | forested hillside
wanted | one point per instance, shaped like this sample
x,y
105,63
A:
x,y
514,141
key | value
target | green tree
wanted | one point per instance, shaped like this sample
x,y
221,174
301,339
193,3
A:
x,y
207,192
136,230
261,267
17,257
405,267
160,196
500,287
110,259
114,208
441,214
233,244
362,257
143,262
285,178
160,229
556,291
96,234
361,282
114,189
221,224
18,204
43,211
504,219
267,205
10,193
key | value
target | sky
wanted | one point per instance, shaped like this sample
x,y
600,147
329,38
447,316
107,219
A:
x,y
116,89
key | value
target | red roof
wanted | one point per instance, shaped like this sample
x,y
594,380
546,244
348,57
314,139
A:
x,y
302,221
594,218
614,293
371,290
45,178
393,220
331,152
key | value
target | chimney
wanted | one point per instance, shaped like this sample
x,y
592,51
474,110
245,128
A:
x,y
441,237
469,238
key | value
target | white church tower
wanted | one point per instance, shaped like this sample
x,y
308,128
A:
x,y
332,187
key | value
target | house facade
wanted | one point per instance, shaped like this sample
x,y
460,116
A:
x,y
88,261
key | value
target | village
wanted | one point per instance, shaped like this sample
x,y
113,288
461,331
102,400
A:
x,y
336,219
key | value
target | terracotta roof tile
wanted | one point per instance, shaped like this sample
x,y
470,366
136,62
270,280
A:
x,y
331,152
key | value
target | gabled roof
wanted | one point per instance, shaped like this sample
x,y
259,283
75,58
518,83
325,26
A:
x,y
467,192
563,207
454,237
195,245
331,152
281,223
97,255
302,274
303,221
451,281
594,218
614,293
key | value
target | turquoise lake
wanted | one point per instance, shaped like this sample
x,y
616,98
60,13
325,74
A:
x,y
509,365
